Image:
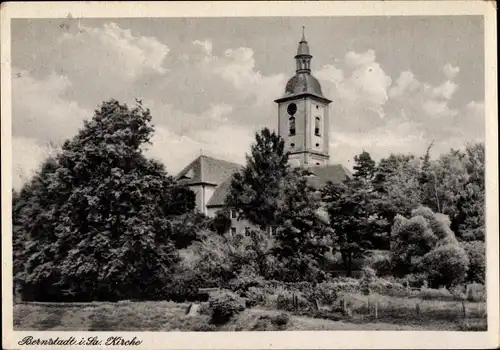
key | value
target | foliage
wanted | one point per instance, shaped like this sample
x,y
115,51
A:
x,y
397,180
256,191
221,222
435,294
476,292
425,244
291,300
353,217
98,216
224,306
384,287
476,251
233,262
188,227
364,167
412,239
454,185
446,265
303,237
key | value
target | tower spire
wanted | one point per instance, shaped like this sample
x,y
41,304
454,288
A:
x,y
303,57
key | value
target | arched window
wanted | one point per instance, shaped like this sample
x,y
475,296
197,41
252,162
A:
x,y
317,126
291,126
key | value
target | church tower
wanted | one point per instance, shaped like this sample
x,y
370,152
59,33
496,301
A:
x,y
303,114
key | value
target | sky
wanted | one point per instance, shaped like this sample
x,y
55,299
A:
x,y
397,83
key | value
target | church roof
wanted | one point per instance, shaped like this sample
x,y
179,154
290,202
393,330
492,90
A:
x,y
206,170
303,83
320,176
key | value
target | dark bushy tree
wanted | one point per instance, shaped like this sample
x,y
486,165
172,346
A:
x,y
425,244
476,252
353,216
303,236
256,191
98,227
364,166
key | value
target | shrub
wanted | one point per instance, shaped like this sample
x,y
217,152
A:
x,y
280,320
291,300
476,292
384,287
224,306
255,296
415,280
429,294
446,265
476,253
184,286
246,279
382,265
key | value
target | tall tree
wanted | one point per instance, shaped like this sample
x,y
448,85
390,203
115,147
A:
x,y
364,166
102,226
256,191
352,208
397,180
469,221
303,236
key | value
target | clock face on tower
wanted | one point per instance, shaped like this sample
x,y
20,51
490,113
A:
x,y
292,108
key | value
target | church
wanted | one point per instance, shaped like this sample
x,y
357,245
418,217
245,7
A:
x,y
303,123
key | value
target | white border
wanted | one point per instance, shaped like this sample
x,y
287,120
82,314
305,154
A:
x,y
268,340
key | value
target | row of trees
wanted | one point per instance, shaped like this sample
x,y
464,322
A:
x,y
364,212
100,221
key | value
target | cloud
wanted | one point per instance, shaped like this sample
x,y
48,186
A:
x,y
229,142
237,67
450,72
206,45
422,102
121,54
359,91
445,90
39,109
355,60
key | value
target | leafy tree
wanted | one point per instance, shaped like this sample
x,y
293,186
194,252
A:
x,y
221,222
352,210
476,252
364,166
444,180
256,191
445,265
101,227
425,244
470,221
303,236
396,179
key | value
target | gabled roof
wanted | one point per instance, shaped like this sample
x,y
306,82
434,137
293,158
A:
x,y
320,176
206,170
218,199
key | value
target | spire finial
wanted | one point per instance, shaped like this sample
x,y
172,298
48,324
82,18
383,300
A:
x,y
303,33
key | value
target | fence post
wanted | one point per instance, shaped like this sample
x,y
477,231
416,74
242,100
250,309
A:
x,y
369,311
344,308
464,309
418,308
376,309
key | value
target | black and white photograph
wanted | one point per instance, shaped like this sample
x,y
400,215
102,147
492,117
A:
x,y
258,175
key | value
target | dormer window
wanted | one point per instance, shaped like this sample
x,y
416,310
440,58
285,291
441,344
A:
x,y
317,123
291,126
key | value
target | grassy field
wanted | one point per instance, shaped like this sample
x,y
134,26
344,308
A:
x,y
170,316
